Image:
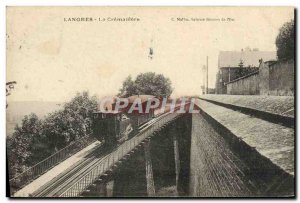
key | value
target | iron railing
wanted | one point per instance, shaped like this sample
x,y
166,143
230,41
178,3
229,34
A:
x,y
110,160
43,166
143,118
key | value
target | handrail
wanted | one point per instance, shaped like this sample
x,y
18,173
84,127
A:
x,y
107,162
43,166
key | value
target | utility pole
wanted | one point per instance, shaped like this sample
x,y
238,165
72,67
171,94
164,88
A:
x,y
203,86
206,74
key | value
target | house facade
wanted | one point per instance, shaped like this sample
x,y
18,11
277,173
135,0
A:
x,y
235,64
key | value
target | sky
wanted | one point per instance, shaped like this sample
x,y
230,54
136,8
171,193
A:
x,y
52,59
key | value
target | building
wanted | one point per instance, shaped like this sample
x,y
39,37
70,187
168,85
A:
x,y
273,78
235,64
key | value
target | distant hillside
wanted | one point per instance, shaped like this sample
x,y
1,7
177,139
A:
x,y
17,110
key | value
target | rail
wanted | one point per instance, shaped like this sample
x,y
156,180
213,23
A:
x,y
43,166
93,173
142,119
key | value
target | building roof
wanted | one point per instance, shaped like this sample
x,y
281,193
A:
x,y
143,98
249,58
108,103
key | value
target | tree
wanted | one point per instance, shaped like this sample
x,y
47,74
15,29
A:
x,y
285,41
35,139
20,146
71,123
9,86
147,83
128,87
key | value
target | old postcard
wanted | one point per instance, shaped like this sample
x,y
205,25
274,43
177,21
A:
x,y
150,102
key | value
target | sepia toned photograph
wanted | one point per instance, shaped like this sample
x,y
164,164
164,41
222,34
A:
x,y
150,102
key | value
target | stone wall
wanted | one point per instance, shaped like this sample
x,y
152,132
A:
x,y
215,170
281,81
226,74
264,76
273,78
247,85
224,166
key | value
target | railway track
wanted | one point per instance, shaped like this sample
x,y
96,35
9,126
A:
x,y
63,181
56,186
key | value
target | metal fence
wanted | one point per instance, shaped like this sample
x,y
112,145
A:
x,y
107,162
43,166
142,118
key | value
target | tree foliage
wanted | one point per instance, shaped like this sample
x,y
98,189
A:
x,y
35,139
70,123
147,83
20,146
285,41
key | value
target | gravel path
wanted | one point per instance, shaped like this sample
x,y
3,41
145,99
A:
x,y
282,105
